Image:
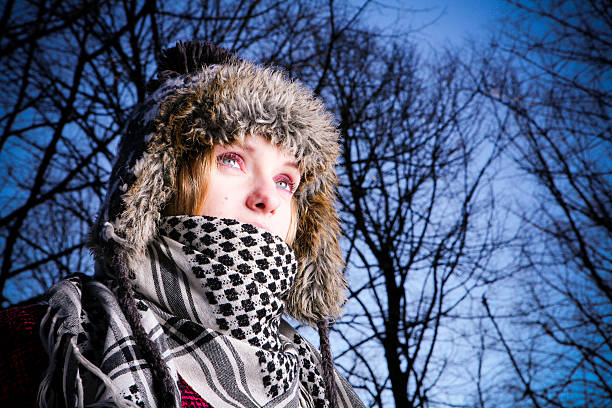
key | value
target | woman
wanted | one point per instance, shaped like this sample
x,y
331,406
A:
x,y
219,218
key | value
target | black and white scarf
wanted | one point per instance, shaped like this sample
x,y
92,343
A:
x,y
210,293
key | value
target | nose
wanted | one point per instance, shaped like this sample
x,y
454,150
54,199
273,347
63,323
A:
x,y
263,197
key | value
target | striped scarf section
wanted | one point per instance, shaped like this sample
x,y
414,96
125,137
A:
x,y
210,293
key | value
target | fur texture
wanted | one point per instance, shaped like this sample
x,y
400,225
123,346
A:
x,y
224,103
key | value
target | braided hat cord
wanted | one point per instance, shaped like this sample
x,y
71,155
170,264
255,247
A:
x,y
163,383
327,363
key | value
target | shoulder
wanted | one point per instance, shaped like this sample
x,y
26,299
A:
x,y
23,358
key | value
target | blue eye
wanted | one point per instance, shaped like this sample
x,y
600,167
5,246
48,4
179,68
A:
x,y
230,160
285,184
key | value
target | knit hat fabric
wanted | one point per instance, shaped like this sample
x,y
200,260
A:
x,y
203,96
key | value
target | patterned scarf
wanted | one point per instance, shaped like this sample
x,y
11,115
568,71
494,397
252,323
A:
x,y
211,295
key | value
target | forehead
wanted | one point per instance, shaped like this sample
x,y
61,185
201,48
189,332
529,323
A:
x,y
257,144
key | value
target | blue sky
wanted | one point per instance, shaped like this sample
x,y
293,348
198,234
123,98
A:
x,y
463,17
438,22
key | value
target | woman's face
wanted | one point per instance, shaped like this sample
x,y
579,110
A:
x,y
252,183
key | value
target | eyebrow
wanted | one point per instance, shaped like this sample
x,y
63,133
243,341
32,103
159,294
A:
x,y
292,163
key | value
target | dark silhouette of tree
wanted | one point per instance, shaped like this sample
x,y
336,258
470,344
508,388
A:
x,y
420,138
416,211
71,71
558,338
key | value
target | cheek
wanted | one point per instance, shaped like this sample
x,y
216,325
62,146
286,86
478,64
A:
x,y
222,196
283,220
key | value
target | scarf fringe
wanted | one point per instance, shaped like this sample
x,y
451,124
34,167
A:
x,y
45,385
118,400
46,399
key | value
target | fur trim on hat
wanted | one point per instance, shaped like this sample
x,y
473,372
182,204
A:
x,y
224,103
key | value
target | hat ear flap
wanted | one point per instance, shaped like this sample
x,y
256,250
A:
x,y
319,288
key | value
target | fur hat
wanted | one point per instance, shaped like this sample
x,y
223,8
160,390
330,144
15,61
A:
x,y
204,95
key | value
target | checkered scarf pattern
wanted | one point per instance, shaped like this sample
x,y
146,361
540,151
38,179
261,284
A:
x,y
211,295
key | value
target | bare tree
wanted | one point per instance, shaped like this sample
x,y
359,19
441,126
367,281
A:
x,y
559,337
71,71
416,211
419,138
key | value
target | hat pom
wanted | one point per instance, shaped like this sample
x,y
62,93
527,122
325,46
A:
x,y
189,57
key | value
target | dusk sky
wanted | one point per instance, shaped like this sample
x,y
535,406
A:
x,y
451,20
462,17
